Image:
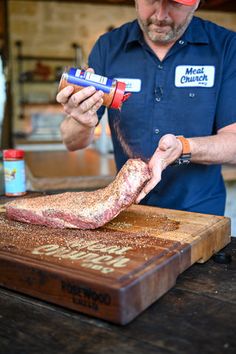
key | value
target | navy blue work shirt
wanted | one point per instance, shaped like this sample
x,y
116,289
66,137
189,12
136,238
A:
x,y
191,92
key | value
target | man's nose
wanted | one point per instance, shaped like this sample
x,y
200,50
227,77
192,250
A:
x,y
161,10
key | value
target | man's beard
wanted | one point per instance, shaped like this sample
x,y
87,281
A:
x,y
170,32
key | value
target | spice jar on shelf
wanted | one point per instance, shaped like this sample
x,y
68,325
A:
x,y
14,172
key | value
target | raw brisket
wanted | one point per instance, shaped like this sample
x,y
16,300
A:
x,y
84,210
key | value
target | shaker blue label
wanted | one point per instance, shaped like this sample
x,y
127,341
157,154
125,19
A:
x,y
85,78
14,176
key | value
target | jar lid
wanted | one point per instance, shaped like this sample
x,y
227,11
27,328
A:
x,y
13,154
119,95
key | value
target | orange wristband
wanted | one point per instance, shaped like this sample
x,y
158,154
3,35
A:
x,y
185,157
185,144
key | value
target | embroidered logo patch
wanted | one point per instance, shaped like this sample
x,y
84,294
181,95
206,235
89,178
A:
x,y
194,76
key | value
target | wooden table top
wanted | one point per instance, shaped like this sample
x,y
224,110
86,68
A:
x,y
197,316
82,163
64,170
79,170
87,162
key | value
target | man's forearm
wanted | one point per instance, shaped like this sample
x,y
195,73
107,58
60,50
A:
x,y
216,149
76,135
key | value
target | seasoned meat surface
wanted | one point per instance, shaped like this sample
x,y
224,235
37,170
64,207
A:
x,y
84,210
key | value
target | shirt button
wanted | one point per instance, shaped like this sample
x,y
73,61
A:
x,y
181,42
160,66
157,131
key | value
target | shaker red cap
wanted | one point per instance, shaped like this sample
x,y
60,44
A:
x,y
119,95
13,154
186,2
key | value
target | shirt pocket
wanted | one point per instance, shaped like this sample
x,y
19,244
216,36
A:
x,y
194,109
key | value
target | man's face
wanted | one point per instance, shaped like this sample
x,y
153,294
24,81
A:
x,y
163,21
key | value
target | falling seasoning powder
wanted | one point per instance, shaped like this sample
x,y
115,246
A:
x,y
14,172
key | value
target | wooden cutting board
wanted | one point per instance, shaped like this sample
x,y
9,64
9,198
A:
x,y
115,272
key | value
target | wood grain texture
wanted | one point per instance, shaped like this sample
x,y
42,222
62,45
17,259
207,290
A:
x,y
115,272
198,315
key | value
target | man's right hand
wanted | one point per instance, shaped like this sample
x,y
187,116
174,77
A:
x,y
82,105
81,108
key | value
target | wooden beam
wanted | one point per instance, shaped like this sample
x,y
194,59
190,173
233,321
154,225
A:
x,y
219,5
214,5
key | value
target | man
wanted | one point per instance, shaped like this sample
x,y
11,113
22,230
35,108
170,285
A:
x,y
181,71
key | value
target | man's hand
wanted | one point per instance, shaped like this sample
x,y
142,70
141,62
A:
x,y
82,105
77,129
169,149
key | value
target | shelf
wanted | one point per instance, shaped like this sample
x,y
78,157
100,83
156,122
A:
x,y
214,5
38,58
47,75
39,81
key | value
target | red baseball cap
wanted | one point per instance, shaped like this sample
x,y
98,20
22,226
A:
x,y
187,2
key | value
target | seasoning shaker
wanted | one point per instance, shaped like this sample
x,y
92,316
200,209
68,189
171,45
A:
x,y
14,172
114,91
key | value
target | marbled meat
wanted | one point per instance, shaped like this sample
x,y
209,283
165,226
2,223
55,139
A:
x,y
83,210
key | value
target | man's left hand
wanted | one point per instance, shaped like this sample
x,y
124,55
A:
x,y
168,150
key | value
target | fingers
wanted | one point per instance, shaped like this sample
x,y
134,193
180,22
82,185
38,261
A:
x,y
90,70
63,95
156,169
168,150
148,187
87,100
96,106
84,102
167,142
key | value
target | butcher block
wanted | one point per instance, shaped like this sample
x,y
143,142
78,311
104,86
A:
x,y
115,272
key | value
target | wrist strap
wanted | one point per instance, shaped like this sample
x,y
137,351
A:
x,y
185,144
186,153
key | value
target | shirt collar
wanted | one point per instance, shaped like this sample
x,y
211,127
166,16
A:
x,y
195,33
135,36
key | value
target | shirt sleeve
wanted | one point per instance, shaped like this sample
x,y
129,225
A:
x,y
226,108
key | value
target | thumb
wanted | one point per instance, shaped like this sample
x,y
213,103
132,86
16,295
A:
x,y
91,70
166,142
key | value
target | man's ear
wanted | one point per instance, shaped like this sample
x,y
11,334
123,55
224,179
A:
x,y
198,4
